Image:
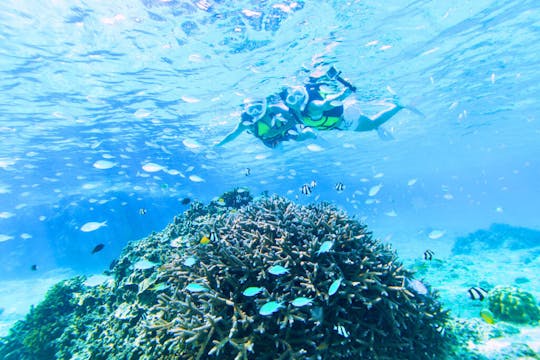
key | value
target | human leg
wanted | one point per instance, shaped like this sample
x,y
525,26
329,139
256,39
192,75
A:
x,y
384,115
355,120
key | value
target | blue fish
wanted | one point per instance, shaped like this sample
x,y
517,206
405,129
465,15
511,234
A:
x,y
334,287
278,270
190,261
270,307
325,247
193,287
252,291
301,301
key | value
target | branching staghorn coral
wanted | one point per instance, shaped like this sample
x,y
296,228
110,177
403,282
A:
x,y
268,279
373,313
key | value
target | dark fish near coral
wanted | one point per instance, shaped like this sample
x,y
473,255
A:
x,y
340,187
98,248
185,201
428,254
142,211
33,267
306,189
477,293
247,172
113,264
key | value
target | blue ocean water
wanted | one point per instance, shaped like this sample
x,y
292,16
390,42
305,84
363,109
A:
x,y
107,108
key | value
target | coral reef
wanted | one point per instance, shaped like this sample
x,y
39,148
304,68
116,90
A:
x,y
273,280
37,336
511,304
496,237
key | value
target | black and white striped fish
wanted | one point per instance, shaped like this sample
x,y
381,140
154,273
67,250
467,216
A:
x,y
477,293
340,187
213,237
306,189
428,254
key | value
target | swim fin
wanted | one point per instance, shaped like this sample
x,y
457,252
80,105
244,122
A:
x,y
384,134
415,110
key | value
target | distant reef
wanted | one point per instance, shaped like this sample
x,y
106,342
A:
x,y
498,236
243,279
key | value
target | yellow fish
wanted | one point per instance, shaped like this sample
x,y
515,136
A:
x,y
487,316
204,240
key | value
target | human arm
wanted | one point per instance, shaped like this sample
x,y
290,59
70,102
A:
x,y
240,128
301,133
336,97
316,108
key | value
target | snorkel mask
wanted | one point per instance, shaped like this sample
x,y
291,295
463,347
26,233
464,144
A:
x,y
255,108
297,97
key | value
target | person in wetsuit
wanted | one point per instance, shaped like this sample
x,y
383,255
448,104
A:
x,y
323,103
316,106
269,120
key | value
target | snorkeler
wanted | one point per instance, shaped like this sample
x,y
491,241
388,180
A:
x,y
269,120
323,104
317,107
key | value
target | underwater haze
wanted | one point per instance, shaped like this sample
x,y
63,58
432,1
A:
x,y
110,112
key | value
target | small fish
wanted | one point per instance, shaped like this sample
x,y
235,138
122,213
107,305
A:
x,y
193,287
487,316
247,171
270,307
113,264
391,213
306,189
374,190
33,267
98,248
313,183
417,286
196,178
477,293
160,287
325,247
185,201
92,226
301,301
411,182
204,240
436,234
190,261
213,236
252,291
142,211
428,254
104,164
341,331
334,287
144,265
322,346
340,187
278,270
220,202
